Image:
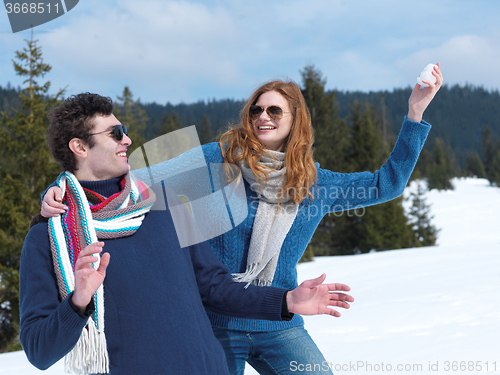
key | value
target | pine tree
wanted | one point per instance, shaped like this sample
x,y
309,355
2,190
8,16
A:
x,y
367,150
474,166
130,113
495,168
423,165
441,169
206,134
330,132
425,234
170,123
491,157
26,171
330,150
344,148
381,227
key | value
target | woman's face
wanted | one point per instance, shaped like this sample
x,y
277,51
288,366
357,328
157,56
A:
x,y
271,130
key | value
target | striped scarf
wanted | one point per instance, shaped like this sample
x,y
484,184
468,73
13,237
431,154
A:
x,y
81,225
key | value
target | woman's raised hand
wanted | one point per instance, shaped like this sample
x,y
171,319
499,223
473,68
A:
x,y
420,98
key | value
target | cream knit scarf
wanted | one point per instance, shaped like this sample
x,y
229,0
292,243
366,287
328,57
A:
x,y
272,221
117,216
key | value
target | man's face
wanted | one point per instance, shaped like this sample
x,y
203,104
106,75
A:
x,y
107,159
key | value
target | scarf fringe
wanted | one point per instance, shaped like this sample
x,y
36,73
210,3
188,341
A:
x,y
250,277
90,354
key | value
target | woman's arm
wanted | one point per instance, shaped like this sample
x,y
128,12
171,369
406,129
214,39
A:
x,y
345,191
186,174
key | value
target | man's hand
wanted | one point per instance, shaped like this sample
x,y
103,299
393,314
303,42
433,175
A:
x,y
312,297
87,279
51,205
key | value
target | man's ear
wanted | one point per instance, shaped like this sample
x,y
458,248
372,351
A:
x,y
78,147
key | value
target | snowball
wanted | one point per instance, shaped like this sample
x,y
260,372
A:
x,y
426,75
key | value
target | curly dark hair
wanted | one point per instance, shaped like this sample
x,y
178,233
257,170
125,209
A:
x,y
74,118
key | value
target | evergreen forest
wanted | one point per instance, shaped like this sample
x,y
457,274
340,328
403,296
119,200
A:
x,y
354,131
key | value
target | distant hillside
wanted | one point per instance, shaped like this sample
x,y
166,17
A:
x,y
9,98
219,114
458,113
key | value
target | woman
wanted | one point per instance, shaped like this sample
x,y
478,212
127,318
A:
x,y
272,145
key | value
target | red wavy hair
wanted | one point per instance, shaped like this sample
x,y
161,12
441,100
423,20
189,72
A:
x,y
300,168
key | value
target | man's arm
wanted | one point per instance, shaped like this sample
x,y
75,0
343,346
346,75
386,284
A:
x,y
221,294
50,328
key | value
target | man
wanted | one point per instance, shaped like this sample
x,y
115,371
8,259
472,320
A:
x,y
139,307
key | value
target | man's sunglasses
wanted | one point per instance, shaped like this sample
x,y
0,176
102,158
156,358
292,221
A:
x,y
273,111
118,131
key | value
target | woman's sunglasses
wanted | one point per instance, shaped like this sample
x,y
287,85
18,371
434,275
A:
x,y
273,111
118,131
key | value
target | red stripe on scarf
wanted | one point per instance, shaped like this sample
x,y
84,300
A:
x,y
143,190
104,201
70,224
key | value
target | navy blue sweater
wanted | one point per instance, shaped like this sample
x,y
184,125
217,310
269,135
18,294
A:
x,y
155,295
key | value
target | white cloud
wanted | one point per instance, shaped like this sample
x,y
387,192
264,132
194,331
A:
x,y
352,70
185,50
148,43
464,59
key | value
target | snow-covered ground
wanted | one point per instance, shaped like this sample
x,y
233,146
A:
x,y
433,310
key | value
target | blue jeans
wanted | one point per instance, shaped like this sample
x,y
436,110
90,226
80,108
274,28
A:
x,y
288,351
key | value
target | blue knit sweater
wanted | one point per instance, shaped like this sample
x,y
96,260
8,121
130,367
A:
x,y
332,192
155,295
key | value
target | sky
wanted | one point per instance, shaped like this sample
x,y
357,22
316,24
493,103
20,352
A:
x,y
186,51
426,311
